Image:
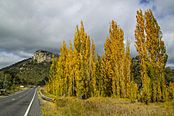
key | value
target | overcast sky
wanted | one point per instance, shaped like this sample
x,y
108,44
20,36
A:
x,y
29,25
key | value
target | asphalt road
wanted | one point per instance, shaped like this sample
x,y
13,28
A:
x,y
24,103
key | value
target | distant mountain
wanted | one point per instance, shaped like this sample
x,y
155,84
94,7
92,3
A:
x,y
34,70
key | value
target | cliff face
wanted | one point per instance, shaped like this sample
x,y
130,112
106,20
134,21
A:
x,y
42,56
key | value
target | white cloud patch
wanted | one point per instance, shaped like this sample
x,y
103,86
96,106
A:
x,y
8,58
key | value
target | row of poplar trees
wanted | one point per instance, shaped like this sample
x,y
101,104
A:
x,y
80,71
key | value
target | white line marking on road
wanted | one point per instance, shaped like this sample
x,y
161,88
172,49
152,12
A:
x,y
27,111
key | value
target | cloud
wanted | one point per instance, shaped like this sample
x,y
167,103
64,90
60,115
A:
x,y
165,15
163,8
8,58
29,25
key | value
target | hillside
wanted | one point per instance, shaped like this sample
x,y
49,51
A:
x,y
31,71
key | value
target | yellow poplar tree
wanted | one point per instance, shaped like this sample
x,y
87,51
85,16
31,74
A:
x,y
142,52
127,70
93,71
98,78
107,70
116,36
153,57
157,56
117,72
61,71
52,74
71,72
82,46
134,91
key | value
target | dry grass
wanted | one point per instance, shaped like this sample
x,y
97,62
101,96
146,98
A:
x,y
47,108
99,106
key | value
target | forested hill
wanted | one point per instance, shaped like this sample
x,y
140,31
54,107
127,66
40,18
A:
x,y
33,70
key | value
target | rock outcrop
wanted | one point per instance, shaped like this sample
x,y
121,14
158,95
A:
x,y
42,56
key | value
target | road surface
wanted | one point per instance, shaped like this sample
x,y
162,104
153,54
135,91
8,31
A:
x,y
24,103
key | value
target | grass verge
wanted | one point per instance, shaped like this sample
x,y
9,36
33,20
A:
x,y
103,106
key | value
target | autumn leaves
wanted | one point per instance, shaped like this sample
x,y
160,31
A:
x,y
81,72
153,57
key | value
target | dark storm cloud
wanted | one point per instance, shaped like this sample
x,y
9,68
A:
x,y
29,25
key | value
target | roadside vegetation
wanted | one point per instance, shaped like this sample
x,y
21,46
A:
x,y
8,84
103,106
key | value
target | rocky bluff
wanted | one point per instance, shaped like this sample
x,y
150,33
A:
x,y
42,56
